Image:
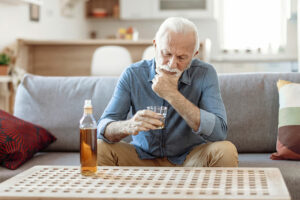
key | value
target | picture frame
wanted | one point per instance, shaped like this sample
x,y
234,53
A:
x,y
34,12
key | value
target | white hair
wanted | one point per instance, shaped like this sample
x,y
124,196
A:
x,y
178,25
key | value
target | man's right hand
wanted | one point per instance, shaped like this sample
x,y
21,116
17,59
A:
x,y
143,120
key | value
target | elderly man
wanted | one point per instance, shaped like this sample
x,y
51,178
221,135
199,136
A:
x,y
195,125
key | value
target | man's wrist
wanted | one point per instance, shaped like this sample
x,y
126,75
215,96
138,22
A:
x,y
116,131
173,96
125,127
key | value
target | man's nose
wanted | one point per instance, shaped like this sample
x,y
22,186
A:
x,y
172,62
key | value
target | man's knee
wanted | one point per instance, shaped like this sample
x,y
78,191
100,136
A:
x,y
227,147
228,151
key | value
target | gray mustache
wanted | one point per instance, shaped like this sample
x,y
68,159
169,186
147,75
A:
x,y
167,68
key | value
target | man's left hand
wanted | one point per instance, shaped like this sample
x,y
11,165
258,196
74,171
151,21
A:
x,y
165,84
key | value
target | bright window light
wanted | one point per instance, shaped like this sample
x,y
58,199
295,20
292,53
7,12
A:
x,y
253,24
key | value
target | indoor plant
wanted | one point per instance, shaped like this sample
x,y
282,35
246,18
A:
x,y
4,62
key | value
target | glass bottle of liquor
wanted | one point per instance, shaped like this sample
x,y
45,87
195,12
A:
x,y
88,140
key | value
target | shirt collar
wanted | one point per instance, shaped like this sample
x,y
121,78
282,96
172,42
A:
x,y
152,71
185,77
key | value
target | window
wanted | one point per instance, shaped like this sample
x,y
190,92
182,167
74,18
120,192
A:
x,y
253,25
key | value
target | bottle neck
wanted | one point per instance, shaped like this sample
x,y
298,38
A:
x,y
88,110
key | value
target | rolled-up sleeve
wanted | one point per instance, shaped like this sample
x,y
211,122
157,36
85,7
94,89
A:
x,y
207,122
118,107
213,120
101,128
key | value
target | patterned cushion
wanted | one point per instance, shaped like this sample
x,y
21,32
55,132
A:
x,y
288,139
20,140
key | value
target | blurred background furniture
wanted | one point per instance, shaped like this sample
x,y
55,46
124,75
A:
x,y
74,57
6,94
69,57
205,50
149,53
110,61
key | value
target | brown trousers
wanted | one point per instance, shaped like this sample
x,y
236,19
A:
x,y
212,154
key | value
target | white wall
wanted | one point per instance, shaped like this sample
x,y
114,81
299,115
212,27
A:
x,y
15,22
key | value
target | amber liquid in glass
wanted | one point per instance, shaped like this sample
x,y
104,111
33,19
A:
x,y
88,151
162,126
163,121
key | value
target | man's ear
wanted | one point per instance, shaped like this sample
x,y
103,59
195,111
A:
x,y
196,53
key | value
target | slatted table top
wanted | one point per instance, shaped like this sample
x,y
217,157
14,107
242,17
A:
x,y
66,182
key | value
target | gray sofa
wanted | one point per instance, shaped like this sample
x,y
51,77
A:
x,y
251,102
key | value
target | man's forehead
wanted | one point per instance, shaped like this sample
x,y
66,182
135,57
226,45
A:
x,y
180,43
170,35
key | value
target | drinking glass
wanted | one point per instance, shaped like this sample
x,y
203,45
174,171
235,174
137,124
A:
x,y
160,110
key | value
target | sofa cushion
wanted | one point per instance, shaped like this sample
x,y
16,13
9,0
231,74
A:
x,y
288,140
43,158
56,103
20,140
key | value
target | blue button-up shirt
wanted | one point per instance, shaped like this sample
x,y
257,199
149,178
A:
x,y
199,84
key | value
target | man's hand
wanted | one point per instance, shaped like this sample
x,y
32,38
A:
x,y
165,84
143,120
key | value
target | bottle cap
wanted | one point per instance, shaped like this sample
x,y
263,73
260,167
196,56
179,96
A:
x,y
88,103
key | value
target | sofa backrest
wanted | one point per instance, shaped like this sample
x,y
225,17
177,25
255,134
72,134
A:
x,y
251,102
55,103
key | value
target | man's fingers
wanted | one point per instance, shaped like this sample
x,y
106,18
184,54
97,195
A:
x,y
152,121
149,114
140,127
145,120
148,125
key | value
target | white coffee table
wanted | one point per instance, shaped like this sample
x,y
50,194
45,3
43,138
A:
x,y
66,182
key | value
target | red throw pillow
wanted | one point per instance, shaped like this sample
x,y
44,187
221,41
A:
x,y
20,140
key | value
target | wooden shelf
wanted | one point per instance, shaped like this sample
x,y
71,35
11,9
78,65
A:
x,y
103,9
5,79
73,57
69,57
102,18
85,42
37,2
